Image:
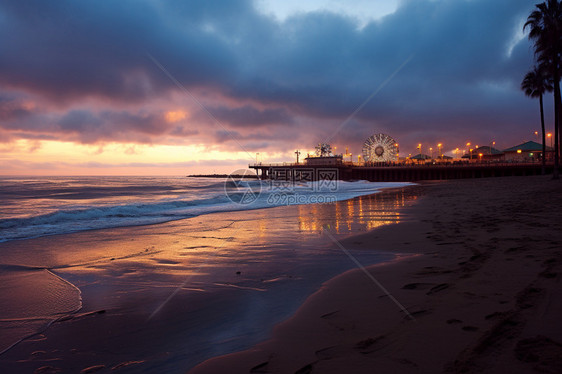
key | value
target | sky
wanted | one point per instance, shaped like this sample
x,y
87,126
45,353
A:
x,y
146,87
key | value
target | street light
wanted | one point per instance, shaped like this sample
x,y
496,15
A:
x,y
550,136
439,150
469,150
431,152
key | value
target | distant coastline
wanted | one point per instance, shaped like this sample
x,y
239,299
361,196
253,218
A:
x,y
223,176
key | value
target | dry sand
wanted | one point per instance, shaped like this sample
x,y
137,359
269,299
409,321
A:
x,y
483,292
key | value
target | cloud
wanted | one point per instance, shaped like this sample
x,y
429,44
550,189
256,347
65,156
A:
x,y
304,74
13,108
18,165
73,49
248,116
88,126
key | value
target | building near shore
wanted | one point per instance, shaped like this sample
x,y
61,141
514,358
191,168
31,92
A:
x,y
484,153
526,152
324,160
420,157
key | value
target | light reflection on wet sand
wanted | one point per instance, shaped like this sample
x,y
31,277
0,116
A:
x,y
238,273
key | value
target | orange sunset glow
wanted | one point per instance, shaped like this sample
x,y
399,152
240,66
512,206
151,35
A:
x,y
204,95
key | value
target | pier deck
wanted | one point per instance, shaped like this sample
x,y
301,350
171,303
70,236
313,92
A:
x,y
395,173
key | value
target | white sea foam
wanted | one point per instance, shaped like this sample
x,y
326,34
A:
x,y
50,208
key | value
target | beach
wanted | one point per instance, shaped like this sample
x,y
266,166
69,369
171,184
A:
x,y
165,297
447,276
282,187
480,293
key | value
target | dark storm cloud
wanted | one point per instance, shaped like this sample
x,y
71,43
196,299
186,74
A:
x,y
69,49
181,131
464,71
88,127
108,125
11,108
248,116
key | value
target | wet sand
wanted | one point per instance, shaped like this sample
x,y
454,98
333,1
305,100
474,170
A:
x,y
483,294
163,298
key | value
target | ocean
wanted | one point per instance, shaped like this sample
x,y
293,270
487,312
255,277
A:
x,y
184,269
40,206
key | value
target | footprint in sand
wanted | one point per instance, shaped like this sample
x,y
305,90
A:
x,y
329,315
496,315
544,352
126,363
438,288
92,369
307,369
369,345
327,353
417,286
47,370
260,368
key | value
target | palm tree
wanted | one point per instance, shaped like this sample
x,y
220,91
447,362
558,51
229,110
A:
x,y
545,28
535,84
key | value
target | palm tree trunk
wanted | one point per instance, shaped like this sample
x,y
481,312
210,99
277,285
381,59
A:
x,y
543,167
557,106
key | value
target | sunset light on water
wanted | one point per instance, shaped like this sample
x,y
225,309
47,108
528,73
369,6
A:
x,y
280,186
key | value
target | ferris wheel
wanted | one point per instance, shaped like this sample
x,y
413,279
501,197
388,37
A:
x,y
380,148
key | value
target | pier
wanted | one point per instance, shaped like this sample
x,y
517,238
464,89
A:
x,y
395,173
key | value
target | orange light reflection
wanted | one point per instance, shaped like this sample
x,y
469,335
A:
x,y
356,215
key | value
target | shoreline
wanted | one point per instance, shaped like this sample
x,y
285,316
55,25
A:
x,y
484,291
125,273
92,224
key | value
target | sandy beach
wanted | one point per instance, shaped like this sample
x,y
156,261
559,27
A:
x,y
282,187
481,294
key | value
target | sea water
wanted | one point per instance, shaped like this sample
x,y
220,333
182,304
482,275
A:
x,y
280,264
34,207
